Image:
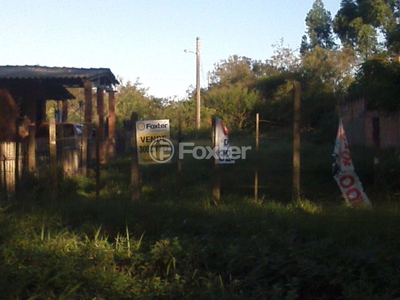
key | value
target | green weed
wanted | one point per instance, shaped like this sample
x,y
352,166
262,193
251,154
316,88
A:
x,y
177,242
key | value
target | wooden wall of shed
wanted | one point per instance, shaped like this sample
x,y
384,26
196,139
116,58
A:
x,y
353,115
358,124
389,129
8,166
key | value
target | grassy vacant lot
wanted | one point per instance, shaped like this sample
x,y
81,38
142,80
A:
x,y
180,243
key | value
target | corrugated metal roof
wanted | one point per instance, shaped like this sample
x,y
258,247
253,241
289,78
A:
x,y
41,72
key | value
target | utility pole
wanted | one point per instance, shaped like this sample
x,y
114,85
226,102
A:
x,y
197,80
198,83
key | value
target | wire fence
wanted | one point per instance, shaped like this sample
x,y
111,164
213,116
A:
x,y
70,156
13,167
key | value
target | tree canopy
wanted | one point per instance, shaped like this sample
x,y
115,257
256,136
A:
x,y
360,23
319,28
356,53
378,82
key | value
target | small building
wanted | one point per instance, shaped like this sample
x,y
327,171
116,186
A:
x,y
29,88
370,127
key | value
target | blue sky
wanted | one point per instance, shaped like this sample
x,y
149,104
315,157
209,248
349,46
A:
x,y
145,39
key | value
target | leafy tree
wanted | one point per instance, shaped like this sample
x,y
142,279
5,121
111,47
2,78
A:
x,y
263,69
378,82
325,74
275,88
276,104
75,106
241,69
393,42
331,68
185,110
319,28
132,97
233,102
393,32
232,94
322,73
358,24
284,59
232,70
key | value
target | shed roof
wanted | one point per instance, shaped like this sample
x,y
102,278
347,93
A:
x,y
63,75
51,82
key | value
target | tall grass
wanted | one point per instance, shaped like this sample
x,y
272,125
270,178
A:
x,y
183,244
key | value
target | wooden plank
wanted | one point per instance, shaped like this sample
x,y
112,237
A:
x,y
100,131
64,111
31,149
53,156
216,180
135,179
88,102
110,150
87,125
17,151
84,147
3,174
111,115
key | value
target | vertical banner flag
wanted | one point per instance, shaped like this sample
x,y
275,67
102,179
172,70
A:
x,y
153,143
222,148
343,171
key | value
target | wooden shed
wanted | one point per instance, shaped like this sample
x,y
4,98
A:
x,y
30,88
370,128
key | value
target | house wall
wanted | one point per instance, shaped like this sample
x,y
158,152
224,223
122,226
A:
x,y
358,124
353,115
389,129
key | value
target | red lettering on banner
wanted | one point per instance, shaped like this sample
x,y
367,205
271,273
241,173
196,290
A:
x,y
344,139
344,178
346,158
353,194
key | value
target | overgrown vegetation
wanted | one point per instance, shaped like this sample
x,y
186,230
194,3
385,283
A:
x,y
350,57
183,244
177,241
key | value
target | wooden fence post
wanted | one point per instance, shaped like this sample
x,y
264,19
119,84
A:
x,y
3,175
376,136
53,156
31,149
135,179
87,129
179,161
216,191
256,158
100,127
111,124
17,150
296,140
84,147
98,161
